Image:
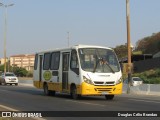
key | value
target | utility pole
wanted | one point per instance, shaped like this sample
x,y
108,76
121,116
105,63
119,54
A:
x,y
5,31
128,44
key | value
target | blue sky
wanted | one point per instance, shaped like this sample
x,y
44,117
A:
x,y
37,25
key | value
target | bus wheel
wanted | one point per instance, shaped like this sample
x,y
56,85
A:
x,y
109,97
46,91
74,94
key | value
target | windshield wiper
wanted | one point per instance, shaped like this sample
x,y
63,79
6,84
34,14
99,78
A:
x,y
110,67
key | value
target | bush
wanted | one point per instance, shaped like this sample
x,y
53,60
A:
x,y
29,74
20,72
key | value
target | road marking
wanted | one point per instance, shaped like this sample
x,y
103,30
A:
x,y
86,103
145,101
8,108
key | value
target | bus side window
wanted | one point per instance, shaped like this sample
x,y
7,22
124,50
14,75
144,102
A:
x,y
55,58
46,62
74,62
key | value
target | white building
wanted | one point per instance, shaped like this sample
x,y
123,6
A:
x,y
24,60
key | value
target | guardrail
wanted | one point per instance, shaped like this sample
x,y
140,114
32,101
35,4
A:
x,y
147,89
28,82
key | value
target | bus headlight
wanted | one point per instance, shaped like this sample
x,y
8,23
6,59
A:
x,y
119,81
87,80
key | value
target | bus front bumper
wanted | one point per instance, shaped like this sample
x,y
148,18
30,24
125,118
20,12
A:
x,y
88,89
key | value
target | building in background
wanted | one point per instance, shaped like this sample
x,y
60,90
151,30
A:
x,y
24,60
2,61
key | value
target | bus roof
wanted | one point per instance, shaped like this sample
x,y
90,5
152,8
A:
x,y
74,47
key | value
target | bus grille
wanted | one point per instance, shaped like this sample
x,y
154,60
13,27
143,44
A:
x,y
99,82
103,89
104,83
109,82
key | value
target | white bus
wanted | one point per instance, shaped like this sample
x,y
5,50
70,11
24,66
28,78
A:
x,y
81,70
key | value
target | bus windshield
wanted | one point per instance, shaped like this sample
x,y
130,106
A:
x,y
98,60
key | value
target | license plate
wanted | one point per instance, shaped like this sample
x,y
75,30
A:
x,y
104,93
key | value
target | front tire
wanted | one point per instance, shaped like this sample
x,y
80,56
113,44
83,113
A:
x,y
109,97
74,94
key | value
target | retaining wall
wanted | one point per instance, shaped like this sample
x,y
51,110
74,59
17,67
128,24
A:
x,y
147,89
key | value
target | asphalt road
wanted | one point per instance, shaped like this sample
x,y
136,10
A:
x,y
25,98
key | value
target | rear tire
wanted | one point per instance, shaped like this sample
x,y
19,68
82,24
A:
x,y
45,88
46,91
109,97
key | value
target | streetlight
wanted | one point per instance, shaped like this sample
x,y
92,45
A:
x,y
128,44
5,31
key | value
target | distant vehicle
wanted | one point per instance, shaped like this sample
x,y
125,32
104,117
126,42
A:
x,y
135,81
8,78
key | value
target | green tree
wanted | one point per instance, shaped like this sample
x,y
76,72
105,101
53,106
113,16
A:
x,y
150,44
17,71
121,51
2,67
21,72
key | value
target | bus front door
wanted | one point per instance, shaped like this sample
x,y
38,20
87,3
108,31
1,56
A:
x,y
65,68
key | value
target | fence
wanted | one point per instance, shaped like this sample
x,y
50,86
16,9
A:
x,y
143,65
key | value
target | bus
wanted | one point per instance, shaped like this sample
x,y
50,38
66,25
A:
x,y
81,70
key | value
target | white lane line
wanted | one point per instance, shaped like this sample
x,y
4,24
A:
x,y
86,103
8,108
145,101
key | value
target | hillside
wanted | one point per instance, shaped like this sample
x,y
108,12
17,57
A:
x,y
150,44
147,45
